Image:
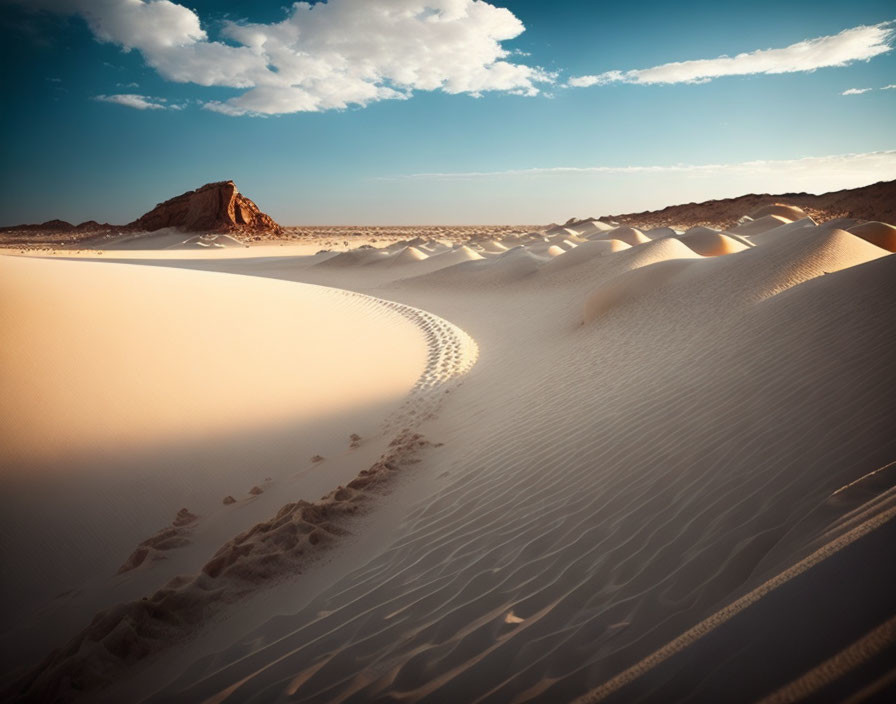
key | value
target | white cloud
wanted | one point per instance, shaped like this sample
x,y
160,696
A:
x,y
139,102
859,91
322,56
871,165
850,45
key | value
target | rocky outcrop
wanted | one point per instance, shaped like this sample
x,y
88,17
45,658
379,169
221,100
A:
x,y
215,207
876,202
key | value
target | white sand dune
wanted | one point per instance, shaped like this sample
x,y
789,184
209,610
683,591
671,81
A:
x,y
782,230
514,264
630,286
585,252
712,244
559,230
207,241
630,235
446,259
355,257
758,226
493,246
166,238
591,227
659,462
660,232
408,255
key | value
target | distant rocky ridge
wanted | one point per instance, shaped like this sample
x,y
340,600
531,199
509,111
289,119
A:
x,y
62,226
215,207
874,202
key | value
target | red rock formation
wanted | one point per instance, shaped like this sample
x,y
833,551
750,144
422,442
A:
x,y
215,207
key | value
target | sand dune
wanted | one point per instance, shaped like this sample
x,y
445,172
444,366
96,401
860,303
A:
x,y
69,399
664,446
877,233
586,228
752,227
781,231
630,286
585,252
629,235
92,438
711,244
660,232
408,255
788,212
648,517
448,258
555,250
493,246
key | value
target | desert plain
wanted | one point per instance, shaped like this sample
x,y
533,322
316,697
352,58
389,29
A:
x,y
638,458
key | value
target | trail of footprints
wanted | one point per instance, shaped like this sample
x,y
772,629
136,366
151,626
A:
x,y
451,353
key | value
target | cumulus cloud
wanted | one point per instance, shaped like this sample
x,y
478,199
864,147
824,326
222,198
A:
x,y
870,165
851,45
321,56
892,86
138,102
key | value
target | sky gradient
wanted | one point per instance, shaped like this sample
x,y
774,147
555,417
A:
x,y
438,112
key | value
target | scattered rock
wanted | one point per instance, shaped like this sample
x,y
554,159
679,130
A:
x,y
229,500
256,490
317,458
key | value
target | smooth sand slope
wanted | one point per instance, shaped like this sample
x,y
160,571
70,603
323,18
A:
x,y
661,461
130,393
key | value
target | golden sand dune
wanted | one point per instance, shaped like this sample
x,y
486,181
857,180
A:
x,y
91,369
877,233
630,235
752,227
788,212
711,244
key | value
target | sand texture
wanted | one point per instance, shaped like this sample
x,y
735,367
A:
x,y
584,462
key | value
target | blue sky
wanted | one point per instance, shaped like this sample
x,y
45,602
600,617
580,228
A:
x,y
387,128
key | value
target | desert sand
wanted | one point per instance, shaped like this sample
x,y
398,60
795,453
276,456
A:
x,y
590,461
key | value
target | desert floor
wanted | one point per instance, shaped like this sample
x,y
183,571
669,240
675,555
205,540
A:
x,y
589,461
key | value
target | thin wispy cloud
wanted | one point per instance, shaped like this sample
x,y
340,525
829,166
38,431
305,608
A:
x,y
860,91
138,102
857,44
877,165
323,56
